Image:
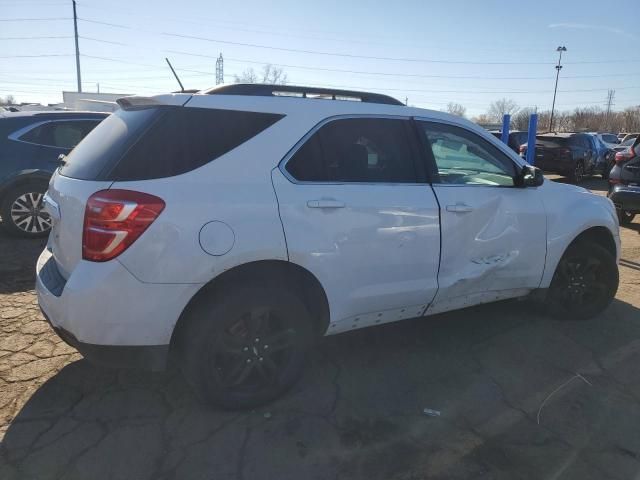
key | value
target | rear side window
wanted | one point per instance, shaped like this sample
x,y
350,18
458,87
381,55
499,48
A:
x,y
552,141
371,150
162,142
60,134
183,139
105,145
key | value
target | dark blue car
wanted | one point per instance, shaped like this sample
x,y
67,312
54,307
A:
x,y
30,143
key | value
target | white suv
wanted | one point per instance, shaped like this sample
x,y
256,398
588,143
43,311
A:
x,y
230,228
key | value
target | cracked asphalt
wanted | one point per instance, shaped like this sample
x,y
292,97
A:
x,y
357,413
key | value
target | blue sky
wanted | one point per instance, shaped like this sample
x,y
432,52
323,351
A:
x,y
469,52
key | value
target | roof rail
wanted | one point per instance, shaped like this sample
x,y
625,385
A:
x,y
267,90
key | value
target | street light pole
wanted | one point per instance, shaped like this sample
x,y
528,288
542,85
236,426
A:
x,y
555,89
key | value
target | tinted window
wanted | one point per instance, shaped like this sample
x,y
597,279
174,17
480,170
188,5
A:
x,y
358,150
106,143
610,138
61,134
463,157
162,142
552,141
183,139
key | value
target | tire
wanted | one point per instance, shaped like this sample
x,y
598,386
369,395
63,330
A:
x,y
578,173
625,217
22,213
246,346
584,283
607,168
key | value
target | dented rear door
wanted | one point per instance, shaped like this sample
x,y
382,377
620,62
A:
x,y
493,233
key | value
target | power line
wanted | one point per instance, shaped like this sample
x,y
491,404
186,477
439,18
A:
x,y
115,25
346,55
48,19
38,56
36,37
103,41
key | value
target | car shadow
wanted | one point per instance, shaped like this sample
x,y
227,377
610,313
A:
x,y
17,262
358,411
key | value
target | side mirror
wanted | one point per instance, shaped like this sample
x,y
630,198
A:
x,y
530,176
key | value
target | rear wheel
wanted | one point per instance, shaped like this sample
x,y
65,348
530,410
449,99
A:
x,y
246,346
584,283
578,172
22,211
625,217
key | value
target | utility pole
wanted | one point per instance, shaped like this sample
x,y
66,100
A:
x,y
555,89
219,70
75,28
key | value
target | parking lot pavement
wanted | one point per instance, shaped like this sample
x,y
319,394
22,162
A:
x,y
519,396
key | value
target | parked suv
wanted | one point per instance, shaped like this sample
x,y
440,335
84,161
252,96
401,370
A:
x,y
30,144
624,181
229,229
516,139
573,155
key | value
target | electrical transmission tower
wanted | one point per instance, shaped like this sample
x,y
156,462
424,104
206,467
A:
x,y
220,70
610,96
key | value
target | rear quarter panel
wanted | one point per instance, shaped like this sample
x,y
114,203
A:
x,y
234,189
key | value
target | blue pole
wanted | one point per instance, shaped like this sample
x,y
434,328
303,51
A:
x,y
506,122
531,139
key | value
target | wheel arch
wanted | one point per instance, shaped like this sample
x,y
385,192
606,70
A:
x,y
262,273
600,234
22,177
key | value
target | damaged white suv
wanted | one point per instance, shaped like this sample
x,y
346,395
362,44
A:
x,y
229,228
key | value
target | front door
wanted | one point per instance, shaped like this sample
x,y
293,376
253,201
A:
x,y
493,233
358,213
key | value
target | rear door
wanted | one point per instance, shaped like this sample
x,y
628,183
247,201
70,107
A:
x,y
358,213
493,233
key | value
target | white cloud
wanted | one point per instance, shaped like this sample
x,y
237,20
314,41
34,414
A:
x,y
601,28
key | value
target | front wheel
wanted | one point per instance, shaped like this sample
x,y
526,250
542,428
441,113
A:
x,y
625,217
584,283
22,211
245,346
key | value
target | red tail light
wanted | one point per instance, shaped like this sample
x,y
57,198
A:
x,y
114,219
624,155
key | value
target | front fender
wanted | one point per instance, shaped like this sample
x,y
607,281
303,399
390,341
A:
x,y
571,211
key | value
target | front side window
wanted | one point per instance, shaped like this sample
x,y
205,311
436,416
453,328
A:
x,y
464,158
371,150
60,134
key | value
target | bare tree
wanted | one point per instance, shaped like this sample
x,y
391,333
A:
x,y
456,109
8,100
520,120
270,74
501,107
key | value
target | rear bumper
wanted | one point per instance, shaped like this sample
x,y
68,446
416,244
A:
x,y
143,357
626,197
108,315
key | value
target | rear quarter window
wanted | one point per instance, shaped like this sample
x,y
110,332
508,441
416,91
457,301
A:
x,y
183,139
142,144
